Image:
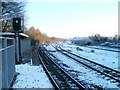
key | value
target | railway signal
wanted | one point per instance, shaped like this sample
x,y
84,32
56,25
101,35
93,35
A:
x,y
18,28
17,24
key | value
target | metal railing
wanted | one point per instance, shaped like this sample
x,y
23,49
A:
x,y
7,61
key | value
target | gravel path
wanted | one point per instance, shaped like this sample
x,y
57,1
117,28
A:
x,y
35,59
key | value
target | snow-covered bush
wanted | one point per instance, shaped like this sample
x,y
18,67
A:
x,y
92,51
79,49
111,44
82,41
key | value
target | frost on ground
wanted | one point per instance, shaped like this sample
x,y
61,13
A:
x,y
107,58
84,74
103,47
31,77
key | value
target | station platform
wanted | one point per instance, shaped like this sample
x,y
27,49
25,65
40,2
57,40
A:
x,y
31,73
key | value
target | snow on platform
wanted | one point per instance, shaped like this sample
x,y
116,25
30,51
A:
x,y
31,77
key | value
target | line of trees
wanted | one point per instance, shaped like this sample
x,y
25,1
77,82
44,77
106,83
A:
x,y
37,37
98,38
95,39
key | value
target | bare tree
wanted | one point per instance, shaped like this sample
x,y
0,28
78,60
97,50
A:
x,y
9,11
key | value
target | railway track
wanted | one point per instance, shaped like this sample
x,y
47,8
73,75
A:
x,y
59,77
111,73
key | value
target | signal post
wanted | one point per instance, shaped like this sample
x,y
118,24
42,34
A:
x,y
17,29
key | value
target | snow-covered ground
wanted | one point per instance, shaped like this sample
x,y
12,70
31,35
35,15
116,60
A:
x,y
107,48
35,77
111,44
82,73
31,77
107,58
50,47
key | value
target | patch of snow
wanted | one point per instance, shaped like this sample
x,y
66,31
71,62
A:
x,y
109,44
103,47
107,58
84,74
31,77
50,47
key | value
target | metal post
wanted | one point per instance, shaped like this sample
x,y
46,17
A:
x,y
17,29
5,68
20,58
16,47
22,18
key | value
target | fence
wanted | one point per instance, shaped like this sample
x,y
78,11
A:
x,y
7,61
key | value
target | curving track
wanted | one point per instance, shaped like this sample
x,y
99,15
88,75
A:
x,y
108,72
59,77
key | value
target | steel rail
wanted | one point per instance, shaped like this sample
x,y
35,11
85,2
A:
x,y
90,61
80,86
48,73
87,59
118,80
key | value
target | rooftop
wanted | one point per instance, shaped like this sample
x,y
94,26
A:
x,y
12,34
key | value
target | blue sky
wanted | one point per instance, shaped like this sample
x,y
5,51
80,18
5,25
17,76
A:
x,y
74,19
